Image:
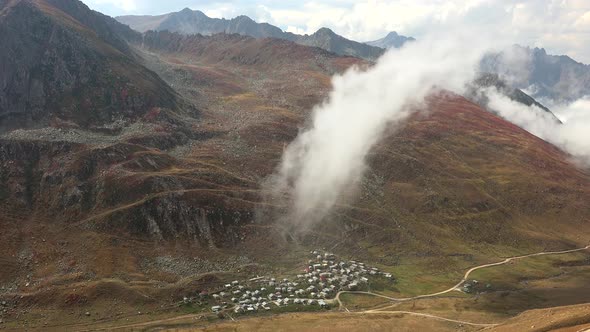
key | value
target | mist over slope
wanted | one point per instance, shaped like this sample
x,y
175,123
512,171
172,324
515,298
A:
x,y
328,159
572,135
325,163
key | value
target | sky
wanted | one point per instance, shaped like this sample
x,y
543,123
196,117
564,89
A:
x,y
560,26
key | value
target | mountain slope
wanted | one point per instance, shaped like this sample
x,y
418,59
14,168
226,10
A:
x,y
328,40
61,61
188,21
487,80
392,40
547,76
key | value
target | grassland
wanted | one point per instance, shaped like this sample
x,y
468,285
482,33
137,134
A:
x,y
361,301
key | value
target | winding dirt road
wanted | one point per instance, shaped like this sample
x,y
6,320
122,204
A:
x,y
465,276
455,287
427,316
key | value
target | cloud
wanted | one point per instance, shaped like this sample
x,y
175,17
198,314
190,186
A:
x,y
559,26
124,5
295,30
573,136
328,159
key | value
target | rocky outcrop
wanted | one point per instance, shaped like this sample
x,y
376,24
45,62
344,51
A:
x,y
69,182
178,216
75,68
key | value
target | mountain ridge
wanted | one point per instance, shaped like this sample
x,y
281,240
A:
x,y
392,40
556,77
189,21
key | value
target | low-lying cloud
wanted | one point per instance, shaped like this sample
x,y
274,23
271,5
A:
x,y
573,136
327,159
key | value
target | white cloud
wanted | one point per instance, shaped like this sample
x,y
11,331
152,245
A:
x,y
563,27
573,136
295,30
327,160
124,5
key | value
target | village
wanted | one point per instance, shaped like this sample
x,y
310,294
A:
x,y
316,286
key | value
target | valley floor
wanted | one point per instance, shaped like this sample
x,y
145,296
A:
x,y
534,283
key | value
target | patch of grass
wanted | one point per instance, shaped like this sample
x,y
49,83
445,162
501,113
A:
x,y
296,308
361,301
192,308
381,284
412,280
514,275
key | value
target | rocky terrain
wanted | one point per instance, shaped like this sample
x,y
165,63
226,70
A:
x,y
62,63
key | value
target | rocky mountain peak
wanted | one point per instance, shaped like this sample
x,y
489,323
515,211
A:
x,y
392,40
324,32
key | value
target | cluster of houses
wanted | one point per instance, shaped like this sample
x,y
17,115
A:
x,y
473,286
322,278
267,293
330,275
469,285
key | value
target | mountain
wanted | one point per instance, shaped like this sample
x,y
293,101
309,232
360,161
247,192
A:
x,y
559,78
113,220
328,40
63,62
188,21
556,77
487,80
392,40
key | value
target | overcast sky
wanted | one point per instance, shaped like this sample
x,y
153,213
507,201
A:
x,y
561,26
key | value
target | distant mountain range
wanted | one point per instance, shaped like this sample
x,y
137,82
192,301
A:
x,y
189,21
392,40
544,76
558,78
